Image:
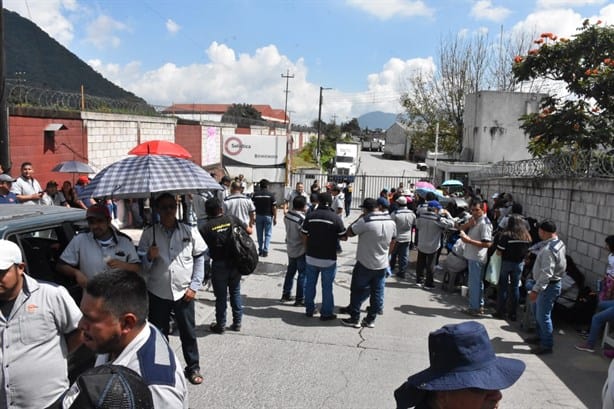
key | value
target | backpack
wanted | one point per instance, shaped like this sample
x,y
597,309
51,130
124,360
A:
x,y
242,251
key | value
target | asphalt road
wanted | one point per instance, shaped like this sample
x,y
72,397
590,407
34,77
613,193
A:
x,y
374,163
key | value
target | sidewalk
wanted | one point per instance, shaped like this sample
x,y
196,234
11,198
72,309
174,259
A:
x,y
281,358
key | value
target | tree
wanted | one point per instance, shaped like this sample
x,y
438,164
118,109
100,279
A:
x,y
352,127
242,115
439,97
584,119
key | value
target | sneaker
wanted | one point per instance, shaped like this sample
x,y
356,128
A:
x,y
585,347
215,327
236,326
265,254
542,351
328,317
351,322
311,313
260,253
286,298
344,310
428,286
368,323
299,303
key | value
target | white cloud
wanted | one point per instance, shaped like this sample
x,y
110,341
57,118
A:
x,y
541,4
255,78
561,22
102,32
385,9
48,15
485,10
172,27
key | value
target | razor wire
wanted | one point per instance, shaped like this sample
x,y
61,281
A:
x,y
565,164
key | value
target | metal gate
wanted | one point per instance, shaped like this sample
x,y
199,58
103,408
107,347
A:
x,y
364,185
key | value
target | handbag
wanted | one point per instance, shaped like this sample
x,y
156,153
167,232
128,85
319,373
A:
x,y
493,269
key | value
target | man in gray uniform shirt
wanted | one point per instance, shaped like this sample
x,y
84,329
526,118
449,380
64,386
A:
x,y
240,206
295,246
102,249
405,220
431,225
376,232
38,328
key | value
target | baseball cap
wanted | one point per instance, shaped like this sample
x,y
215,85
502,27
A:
x,y
383,202
547,226
402,200
83,180
107,386
5,177
98,211
434,204
369,204
9,254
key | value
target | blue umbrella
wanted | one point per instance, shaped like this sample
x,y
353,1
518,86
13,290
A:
x,y
142,176
73,166
452,182
422,191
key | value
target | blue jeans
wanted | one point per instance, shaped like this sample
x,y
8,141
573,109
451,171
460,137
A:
x,y
543,310
160,316
264,228
476,284
365,284
400,253
226,280
509,278
605,314
295,264
311,279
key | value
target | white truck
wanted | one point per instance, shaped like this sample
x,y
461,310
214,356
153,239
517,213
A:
x,y
347,160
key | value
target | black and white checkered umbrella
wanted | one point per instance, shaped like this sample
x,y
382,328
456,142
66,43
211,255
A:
x,y
142,176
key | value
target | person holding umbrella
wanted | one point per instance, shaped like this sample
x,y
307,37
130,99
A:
x,y
173,255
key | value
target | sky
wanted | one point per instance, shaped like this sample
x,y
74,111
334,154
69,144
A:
x,y
237,51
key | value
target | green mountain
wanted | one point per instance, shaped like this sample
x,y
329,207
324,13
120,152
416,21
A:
x,y
38,60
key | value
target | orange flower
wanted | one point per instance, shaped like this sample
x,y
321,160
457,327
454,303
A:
x,y
607,61
518,59
553,38
538,41
533,52
546,35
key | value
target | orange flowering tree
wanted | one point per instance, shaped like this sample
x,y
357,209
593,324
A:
x,y
584,119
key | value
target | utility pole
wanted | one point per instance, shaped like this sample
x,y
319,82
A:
x,y
318,153
5,157
287,124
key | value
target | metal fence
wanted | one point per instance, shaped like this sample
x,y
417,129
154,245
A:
x,y
364,185
565,164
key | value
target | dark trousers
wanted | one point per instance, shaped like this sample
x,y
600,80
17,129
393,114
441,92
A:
x,y
226,280
160,316
425,261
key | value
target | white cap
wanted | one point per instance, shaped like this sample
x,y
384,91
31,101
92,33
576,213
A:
x,y
9,254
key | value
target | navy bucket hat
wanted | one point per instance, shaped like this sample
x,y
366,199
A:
x,y
461,356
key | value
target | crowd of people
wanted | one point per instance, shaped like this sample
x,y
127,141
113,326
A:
x,y
130,296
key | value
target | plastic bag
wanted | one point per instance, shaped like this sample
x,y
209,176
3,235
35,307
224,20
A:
x,y
493,269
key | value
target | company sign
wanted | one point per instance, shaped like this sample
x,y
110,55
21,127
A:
x,y
254,150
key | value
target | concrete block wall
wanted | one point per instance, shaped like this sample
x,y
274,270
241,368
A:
x,y
583,210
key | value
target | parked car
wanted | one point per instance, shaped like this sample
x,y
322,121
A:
x,y
42,233
422,166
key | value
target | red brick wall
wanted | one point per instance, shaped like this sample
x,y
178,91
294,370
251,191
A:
x,y
27,144
190,137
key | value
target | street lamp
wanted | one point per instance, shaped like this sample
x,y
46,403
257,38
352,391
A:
x,y
319,121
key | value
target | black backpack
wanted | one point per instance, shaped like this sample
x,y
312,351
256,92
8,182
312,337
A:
x,y
242,251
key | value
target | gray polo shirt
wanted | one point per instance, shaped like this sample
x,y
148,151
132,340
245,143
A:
x,y
88,254
33,347
431,225
293,221
24,186
180,265
482,231
404,219
239,206
290,197
550,264
375,231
